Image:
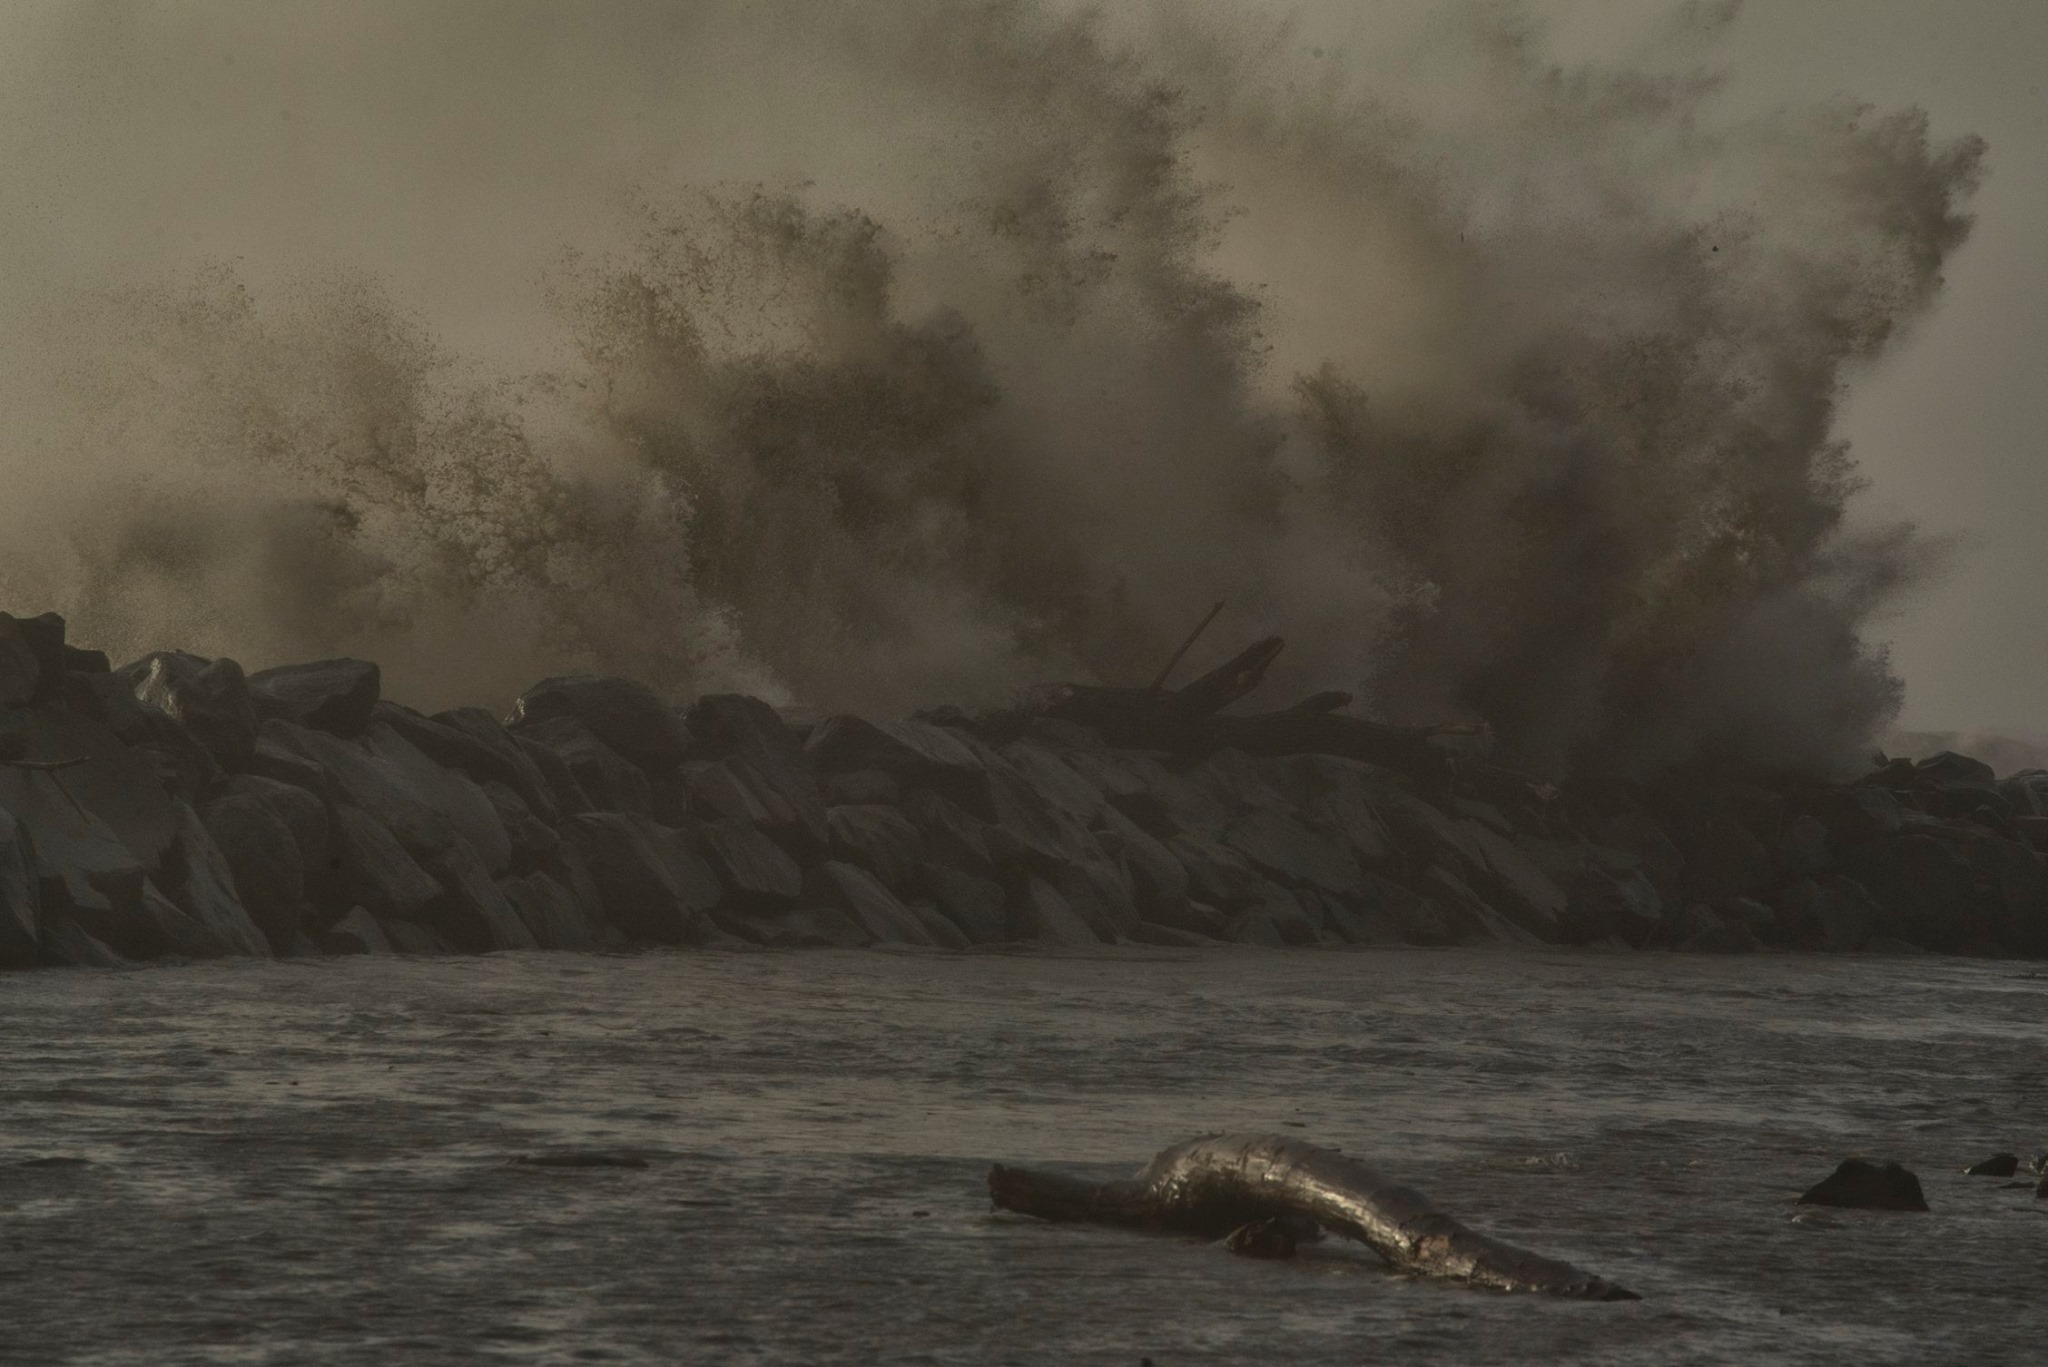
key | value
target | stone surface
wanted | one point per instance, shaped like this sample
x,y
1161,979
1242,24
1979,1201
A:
x,y
753,868
21,674
357,932
552,914
1057,782
67,944
1041,915
862,787
209,698
264,863
914,749
651,885
976,905
334,696
612,782
881,840
953,835
21,902
376,872
630,718
873,907
382,782
1864,1185
938,926
733,726
713,792
1284,848
205,888
473,913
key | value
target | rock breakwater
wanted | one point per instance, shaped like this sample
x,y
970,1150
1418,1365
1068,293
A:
x,y
179,807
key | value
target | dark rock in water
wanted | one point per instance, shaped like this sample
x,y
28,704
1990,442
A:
x,y
652,883
871,906
753,867
1998,1165
915,749
355,933
68,945
489,752
942,931
376,871
977,906
569,797
1702,930
1863,1185
583,1158
209,698
21,899
1158,881
335,696
612,782
1147,933
1255,927
1040,914
1470,916
879,839
953,836
407,937
799,928
551,912
1100,895
1284,848
2041,1191
532,839
629,717
384,777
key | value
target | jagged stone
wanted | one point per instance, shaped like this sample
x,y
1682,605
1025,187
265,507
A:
x,y
1723,858
629,718
1416,918
975,905
1864,1185
66,944
879,839
1217,873
1150,933
468,811
159,927
273,759
731,726
376,871
1470,914
1041,915
753,867
952,835
471,741
21,674
357,932
714,792
1997,1165
1237,782
653,887
873,907
83,868
1286,849
862,787
1058,783
209,698
569,797
1519,887
120,786
408,937
474,914
1158,881
206,889
942,931
335,696
382,782
1039,828
532,839
553,915
21,902
613,783
1098,898
1701,929
264,862
914,749
80,661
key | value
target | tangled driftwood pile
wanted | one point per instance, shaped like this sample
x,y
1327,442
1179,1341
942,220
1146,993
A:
x,y
176,806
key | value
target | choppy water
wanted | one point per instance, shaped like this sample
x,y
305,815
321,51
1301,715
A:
x,y
311,1162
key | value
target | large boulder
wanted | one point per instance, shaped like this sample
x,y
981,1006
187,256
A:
x,y
881,840
859,894
1040,914
554,915
200,881
254,841
1058,782
612,782
712,791
911,749
395,785
468,810
732,726
119,785
473,913
21,674
335,696
953,835
977,906
1284,848
533,839
652,885
209,698
21,902
630,718
376,872
357,932
754,868
471,740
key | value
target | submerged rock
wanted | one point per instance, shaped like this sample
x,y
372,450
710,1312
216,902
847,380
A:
x,y
1863,1185
1997,1165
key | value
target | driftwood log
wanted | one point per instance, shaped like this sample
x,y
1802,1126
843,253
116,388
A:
x,y
1263,1191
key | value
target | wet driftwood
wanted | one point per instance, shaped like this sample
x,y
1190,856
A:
x,y
1258,1190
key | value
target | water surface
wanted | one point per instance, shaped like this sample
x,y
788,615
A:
x,y
313,1162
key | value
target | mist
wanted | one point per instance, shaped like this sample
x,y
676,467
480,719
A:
x,y
911,355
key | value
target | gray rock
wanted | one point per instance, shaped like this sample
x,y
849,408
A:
x,y
474,914
159,927
21,902
1470,914
977,906
613,783
278,761
879,839
653,887
204,889
913,749
1239,783
1158,881
357,932
1040,828
1701,929
942,931
1217,873
384,783
472,743
69,945
120,786
952,835
1804,846
871,906
1518,886
21,674
713,792
465,806
1039,914
82,866
861,788
209,698
629,718
569,797
1098,898
802,928
1722,857
1059,784
1255,926
264,863
532,840
732,726
553,914
1286,849
753,867
376,871
1415,918
408,937
335,696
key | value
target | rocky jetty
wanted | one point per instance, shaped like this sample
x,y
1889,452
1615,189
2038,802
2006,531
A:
x,y
179,807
